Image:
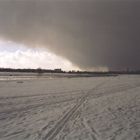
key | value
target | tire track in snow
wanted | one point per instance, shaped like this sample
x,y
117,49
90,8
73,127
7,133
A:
x,y
34,106
39,95
94,135
61,123
110,92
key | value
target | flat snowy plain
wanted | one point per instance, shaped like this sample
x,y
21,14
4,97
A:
x,y
95,108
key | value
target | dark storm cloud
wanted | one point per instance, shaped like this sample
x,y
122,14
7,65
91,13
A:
x,y
90,33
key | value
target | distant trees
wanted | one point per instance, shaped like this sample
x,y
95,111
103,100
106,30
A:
x,y
39,71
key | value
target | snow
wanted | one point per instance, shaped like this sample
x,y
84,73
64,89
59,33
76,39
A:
x,y
86,108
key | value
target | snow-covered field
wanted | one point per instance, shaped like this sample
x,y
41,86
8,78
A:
x,y
95,108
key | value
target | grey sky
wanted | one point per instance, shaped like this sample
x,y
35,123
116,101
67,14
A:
x,y
90,33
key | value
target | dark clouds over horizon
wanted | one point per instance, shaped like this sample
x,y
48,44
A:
x,y
89,33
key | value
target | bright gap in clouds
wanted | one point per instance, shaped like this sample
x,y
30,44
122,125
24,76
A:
x,y
14,55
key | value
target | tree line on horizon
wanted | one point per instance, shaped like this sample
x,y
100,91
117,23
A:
x,y
40,70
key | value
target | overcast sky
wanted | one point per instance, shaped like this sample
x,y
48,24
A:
x,y
90,34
